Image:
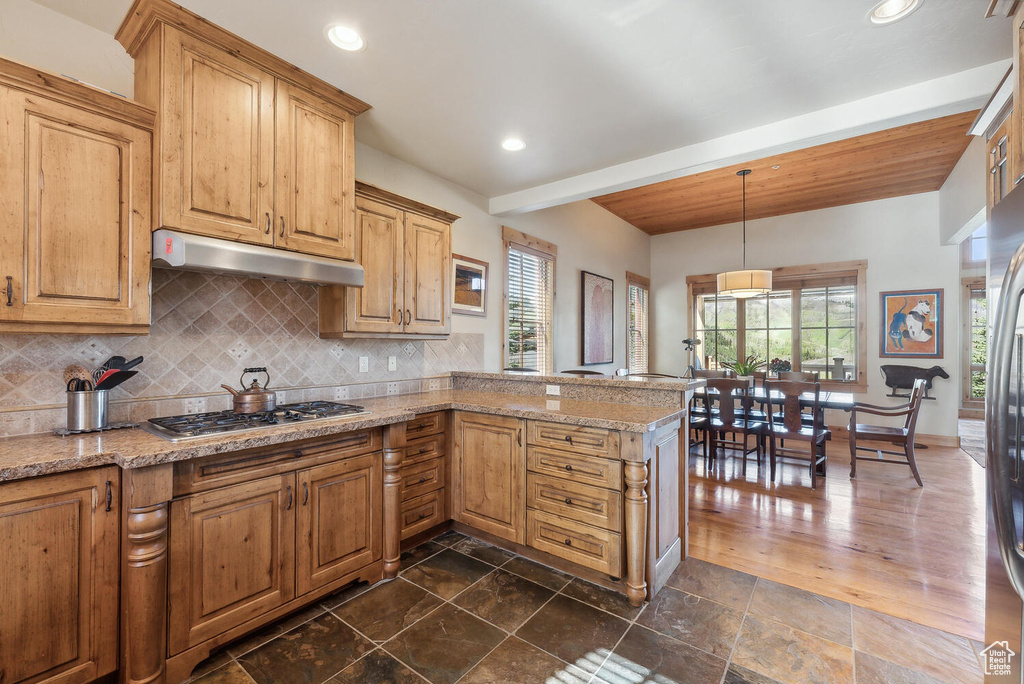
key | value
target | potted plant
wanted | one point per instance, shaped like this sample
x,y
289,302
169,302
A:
x,y
745,367
777,365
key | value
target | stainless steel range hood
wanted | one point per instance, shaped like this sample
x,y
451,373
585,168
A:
x,y
200,253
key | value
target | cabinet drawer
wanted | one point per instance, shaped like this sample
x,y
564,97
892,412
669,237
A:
x,y
424,449
579,502
425,424
420,478
243,466
422,513
584,545
581,440
600,472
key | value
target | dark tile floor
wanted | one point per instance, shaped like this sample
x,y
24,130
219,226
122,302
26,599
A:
x,y
464,611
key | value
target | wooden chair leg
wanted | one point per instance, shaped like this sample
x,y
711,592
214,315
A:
x,y
908,448
814,465
853,455
771,459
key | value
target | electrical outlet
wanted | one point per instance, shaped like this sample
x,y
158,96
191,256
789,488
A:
x,y
392,388
392,363
341,394
554,390
364,364
195,405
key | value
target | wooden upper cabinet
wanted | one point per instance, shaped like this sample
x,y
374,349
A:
x,y
251,148
489,474
377,306
428,265
1016,132
405,248
75,221
314,185
59,578
217,142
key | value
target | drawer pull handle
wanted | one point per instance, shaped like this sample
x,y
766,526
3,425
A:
x,y
110,496
568,438
289,506
267,231
282,226
423,515
568,501
10,291
423,451
519,437
422,480
568,542
568,467
305,493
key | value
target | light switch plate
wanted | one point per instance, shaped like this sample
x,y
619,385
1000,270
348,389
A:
x,y
364,364
392,363
554,390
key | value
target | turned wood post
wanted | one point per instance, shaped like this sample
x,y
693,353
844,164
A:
x,y
147,492
394,453
636,530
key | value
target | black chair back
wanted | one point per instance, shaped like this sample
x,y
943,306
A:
x,y
732,397
792,415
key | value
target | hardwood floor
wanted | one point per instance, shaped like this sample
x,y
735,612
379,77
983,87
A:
x,y
878,541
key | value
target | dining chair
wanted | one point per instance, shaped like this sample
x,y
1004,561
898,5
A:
x,y
788,424
800,376
733,397
900,436
700,405
581,371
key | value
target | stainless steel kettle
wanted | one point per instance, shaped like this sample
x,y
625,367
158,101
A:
x,y
253,399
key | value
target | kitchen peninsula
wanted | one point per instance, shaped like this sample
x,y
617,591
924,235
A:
x,y
224,534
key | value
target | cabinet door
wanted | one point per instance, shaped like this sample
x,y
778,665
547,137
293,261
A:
x,y
377,305
339,520
75,216
1016,156
428,265
217,138
231,557
59,578
315,188
490,474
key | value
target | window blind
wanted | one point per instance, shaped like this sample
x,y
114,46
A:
x,y
530,312
638,329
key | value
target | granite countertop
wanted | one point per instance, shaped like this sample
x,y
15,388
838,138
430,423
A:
x,y
43,454
624,381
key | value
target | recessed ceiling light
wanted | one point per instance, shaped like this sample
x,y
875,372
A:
x,y
888,11
345,38
513,144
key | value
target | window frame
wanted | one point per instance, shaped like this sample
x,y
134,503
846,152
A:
x,y
514,239
968,402
796,278
639,281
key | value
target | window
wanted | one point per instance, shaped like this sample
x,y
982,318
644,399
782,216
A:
x,y
808,321
529,301
998,173
975,249
637,342
977,343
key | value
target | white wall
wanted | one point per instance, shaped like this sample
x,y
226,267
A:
x,y
588,237
963,196
896,236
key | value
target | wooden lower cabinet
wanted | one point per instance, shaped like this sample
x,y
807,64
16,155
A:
x,y
339,520
424,474
231,557
59,577
489,465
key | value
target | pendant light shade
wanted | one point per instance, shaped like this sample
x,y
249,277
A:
x,y
744,283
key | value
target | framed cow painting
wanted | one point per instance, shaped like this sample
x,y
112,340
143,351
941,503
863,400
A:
x,y
912,324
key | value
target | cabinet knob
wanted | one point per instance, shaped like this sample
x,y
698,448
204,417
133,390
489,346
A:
x,y
568,542
568,467
568,438
422,480
423,515
569,501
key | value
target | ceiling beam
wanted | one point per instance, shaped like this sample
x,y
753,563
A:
x,y
959,92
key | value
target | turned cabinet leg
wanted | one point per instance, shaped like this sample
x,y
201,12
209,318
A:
x,y
394,453
146,594
636,531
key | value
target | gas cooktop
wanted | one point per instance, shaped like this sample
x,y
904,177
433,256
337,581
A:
x,y
196,425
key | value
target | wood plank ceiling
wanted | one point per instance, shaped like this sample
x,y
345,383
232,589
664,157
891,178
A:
x,y
899,161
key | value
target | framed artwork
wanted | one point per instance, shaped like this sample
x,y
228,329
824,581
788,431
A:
x,y
597,307
470,286
911,325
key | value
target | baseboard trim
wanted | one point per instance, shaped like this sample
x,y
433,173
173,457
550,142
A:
x,y
920,438
972,413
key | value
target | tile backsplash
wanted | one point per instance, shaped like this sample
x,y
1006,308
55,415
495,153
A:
x,y
205,330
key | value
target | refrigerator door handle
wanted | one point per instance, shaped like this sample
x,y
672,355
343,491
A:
x,y
1001,473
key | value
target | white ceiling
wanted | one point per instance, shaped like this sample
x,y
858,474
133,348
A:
x,y
592,83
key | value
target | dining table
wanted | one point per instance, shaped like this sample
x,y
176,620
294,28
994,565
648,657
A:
x,y
840,401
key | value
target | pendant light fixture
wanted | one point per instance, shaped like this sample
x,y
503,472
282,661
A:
x,y
744,283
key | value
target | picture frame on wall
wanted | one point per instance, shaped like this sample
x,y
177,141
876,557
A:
x,y
912,324
597,294
469,291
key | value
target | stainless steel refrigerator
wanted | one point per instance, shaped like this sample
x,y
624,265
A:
x,y
1004,418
